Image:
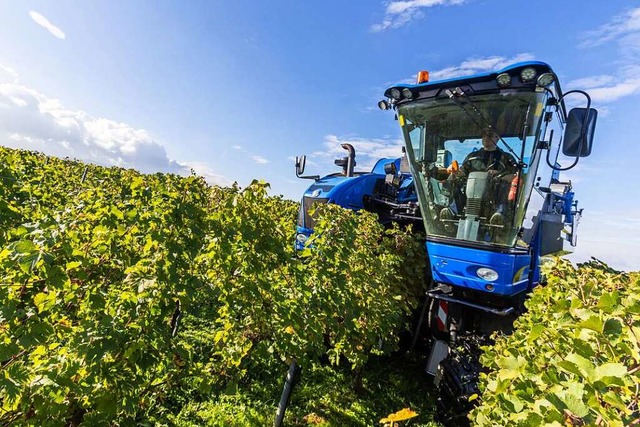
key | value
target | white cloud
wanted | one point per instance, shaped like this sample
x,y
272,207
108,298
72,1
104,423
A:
x,y
7,75
259,160
590,82
368,151
609,88
616,29
624,30
478,65
30,120
205,171
46,24
629,46
400,13
605,94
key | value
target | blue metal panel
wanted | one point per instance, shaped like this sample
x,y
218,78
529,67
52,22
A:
x,y
344,191
379,166
349,194
302,230
458,266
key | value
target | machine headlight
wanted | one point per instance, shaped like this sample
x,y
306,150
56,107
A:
x,y
545,79
504,80
527,75
302,238
487,274
383,105
395,93
406,92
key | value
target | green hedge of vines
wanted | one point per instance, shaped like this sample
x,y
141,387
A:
x,y
125,296
574,358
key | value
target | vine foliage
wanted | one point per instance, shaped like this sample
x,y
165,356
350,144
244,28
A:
x,y
99,266
574,358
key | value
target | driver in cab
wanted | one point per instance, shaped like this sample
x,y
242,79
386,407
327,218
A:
x,y
491,159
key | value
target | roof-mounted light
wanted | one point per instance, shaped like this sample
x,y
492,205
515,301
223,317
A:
x,y
423,77
395,94
406,92
527,75
503,80
546,79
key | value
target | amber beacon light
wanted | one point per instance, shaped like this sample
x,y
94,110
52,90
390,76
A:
x,y
423,77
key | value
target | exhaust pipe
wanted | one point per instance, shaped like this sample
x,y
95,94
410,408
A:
x,y
349,162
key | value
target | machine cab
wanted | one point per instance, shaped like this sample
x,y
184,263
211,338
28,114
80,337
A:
x,y
483,158
473,172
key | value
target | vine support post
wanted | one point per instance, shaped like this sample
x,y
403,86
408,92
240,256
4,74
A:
x,y
289,383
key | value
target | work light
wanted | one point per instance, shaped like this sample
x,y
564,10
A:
x,y
527,75
395,93
504,80
545,79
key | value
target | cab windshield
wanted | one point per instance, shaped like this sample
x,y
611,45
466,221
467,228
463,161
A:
x,y
472,161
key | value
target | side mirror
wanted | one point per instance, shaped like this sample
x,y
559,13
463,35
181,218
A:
x,y
578,135
300,164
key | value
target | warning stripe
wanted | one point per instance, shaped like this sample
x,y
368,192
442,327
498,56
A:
x,y
443,310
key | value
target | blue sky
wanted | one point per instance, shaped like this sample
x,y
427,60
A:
x,y
235,89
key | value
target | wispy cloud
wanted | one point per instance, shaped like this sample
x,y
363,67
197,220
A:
x,y
260,160
607,88
30,120
207,173
400,13
624,31
368,151
46,24
617,29
591,82
7,75
257,159
606,93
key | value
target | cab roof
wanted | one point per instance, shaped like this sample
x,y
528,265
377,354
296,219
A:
x,y
476,82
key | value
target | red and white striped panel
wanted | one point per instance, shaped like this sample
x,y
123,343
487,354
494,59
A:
x,y
443,311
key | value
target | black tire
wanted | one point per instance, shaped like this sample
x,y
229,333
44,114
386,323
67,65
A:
x,y
459,382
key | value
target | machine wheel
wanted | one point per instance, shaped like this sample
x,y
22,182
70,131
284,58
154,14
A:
x,y
459,373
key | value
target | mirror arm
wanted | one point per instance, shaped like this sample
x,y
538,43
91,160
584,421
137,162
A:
x,y
313,177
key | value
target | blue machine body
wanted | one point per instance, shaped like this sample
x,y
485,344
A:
x,y
459,266
348,192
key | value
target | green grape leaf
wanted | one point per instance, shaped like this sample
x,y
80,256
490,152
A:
x,y
610,373
593,322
